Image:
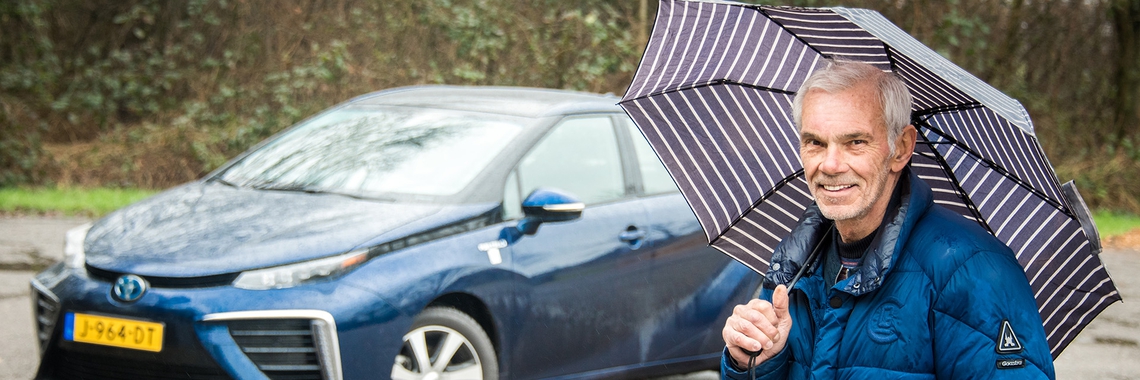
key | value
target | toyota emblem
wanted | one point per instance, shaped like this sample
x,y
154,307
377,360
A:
x,y
129,288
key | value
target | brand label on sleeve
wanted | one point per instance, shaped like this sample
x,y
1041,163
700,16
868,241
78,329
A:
x,y
1010,363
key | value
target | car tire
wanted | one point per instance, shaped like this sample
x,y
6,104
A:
x,y
441,334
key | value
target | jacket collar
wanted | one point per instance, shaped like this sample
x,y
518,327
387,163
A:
x,y
812,228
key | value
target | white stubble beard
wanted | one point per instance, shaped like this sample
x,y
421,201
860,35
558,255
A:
x,y
862,206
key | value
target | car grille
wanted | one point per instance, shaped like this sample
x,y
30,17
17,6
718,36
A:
x,y
283,349
75,365
46,312
168,282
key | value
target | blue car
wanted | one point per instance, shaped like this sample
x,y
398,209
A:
x,y
432,232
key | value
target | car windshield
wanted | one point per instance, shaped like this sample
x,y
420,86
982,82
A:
x,y
377,152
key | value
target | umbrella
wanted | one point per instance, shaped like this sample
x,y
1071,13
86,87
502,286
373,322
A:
x,y
713,96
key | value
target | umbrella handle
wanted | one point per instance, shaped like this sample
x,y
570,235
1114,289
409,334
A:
x,y
803,269
811,259
752,363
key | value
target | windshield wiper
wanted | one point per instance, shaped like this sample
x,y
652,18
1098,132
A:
x,y
294,187
299,188
219,179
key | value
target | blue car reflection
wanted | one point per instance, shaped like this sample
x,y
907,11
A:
x,y
415,233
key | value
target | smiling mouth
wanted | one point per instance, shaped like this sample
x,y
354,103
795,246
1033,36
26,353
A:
x,y
836,187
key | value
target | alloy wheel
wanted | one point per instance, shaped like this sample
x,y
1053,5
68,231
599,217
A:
x,y
436,353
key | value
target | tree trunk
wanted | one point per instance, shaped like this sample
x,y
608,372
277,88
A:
x,y
1002,68
1126,24
643,23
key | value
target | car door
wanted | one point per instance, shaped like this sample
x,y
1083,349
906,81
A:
x,y
694,285
583,302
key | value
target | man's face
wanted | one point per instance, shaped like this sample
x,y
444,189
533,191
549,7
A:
x,y
846,156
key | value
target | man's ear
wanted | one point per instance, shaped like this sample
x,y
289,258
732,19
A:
x,y
904,148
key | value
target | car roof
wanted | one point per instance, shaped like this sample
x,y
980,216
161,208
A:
x,y
516,101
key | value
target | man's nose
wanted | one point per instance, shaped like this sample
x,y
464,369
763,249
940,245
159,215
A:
x,y
833,161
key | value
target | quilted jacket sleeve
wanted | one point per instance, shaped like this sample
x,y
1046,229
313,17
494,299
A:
x,y
771,369
970,309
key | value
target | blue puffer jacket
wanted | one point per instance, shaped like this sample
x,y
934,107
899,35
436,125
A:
x,y
931,300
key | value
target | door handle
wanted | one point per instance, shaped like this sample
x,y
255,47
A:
x,y
632,234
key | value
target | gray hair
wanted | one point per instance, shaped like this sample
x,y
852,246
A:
x,y
840,75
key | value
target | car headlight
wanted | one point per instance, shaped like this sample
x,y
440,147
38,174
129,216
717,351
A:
x,y
73,253
287,276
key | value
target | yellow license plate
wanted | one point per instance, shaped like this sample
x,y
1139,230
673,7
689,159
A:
x,y
115,332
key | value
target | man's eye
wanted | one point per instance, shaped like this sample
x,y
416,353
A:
x,y
858,142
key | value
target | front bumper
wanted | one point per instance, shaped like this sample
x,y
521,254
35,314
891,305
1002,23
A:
x,y
215,332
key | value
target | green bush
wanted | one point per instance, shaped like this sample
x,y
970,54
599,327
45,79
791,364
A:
x,y
213,77
21,154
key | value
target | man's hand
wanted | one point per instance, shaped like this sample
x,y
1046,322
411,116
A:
x,y
758,325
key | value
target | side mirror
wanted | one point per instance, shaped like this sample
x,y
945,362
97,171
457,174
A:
x,y
548,205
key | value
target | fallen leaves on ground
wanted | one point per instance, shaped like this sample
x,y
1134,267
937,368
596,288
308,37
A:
x,y
1127,240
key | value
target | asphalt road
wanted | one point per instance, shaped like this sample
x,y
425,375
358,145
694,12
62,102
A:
x,y
1109,348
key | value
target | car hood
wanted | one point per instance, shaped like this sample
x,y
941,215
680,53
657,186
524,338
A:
x,y
205,229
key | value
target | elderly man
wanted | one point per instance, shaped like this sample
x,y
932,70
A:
x,y
889,284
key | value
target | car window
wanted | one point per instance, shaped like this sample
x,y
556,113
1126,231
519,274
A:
x,y
580,156
370,151
654,178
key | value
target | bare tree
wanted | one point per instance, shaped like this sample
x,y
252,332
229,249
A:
x,y
1126,75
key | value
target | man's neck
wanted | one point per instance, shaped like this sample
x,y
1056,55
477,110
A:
x,y
852,232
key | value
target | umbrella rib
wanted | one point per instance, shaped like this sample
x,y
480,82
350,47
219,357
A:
x,y
926,114
717,82
957,184
993,166
776,20
768,194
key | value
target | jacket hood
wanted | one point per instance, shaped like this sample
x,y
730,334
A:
x,y
793,252
204,229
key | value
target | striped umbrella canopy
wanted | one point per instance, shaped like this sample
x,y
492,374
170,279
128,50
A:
x,y
713,96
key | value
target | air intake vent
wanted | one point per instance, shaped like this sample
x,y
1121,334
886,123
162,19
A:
x,y
286,344
283,349
80,366
45,307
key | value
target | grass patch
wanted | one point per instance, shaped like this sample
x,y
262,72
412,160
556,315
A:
x,y
68,201
1113,223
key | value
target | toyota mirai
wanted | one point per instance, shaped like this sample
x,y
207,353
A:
x,y
428,232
